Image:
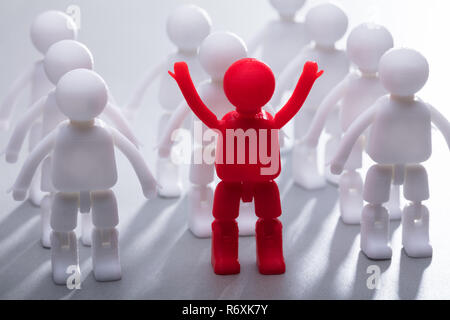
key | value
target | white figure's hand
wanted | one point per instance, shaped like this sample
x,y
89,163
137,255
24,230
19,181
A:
x,y
19,195
336,168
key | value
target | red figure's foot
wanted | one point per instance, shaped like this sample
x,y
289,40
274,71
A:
x,y
224,251
226,266
269,247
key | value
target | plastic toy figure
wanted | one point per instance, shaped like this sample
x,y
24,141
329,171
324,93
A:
x,y
61,57
358,91
246,169
399,141
83,171
48,28
187,27
282,39
216,54
326,24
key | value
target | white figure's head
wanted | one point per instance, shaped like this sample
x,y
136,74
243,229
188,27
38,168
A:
x,y
219,51
187,26
81,95
287,8
403,72
50,27
65,56
366,44
326,24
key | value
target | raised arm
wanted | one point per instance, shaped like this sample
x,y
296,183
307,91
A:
x,y
175,122
183,78
148,182
20,130
328,103
301,91
23,181
350,137
287,77
441,123
8,102
136,99
118,120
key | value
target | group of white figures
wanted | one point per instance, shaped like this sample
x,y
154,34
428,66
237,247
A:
x,y
369,85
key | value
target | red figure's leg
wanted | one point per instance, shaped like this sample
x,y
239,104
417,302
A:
x,y
269,243
225,233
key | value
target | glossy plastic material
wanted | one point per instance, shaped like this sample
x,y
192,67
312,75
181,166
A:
x,y
399,141
358,91
83,171
248,85
187,26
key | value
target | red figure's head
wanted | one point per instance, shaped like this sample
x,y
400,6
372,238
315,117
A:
x,y
249,84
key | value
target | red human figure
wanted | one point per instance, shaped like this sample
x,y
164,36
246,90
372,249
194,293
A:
x,y
243,167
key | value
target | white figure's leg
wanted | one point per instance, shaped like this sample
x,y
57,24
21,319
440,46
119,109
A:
x,y
351,187
305,168
105,244
200,210
36,195
393,205
46,211
64,247
375,218
350,195
333,128
86,219
415,221
247,219
200,195
167,172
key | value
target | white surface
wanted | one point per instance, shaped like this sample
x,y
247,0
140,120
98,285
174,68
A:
x,y
160,258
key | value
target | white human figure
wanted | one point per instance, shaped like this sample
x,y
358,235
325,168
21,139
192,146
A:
x,y
187,27
282,39
399,140
217,52
61,57
326,24
83,171
359,90
47,28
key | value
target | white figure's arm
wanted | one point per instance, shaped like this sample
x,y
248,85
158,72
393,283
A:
x,y
136,99
21,129
23,181
441,123
255,42
175,122
116,117
350,137
287,78
111,99
328,103
147,180
7,105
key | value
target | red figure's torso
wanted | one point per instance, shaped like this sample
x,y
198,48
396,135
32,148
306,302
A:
x,y
261,140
